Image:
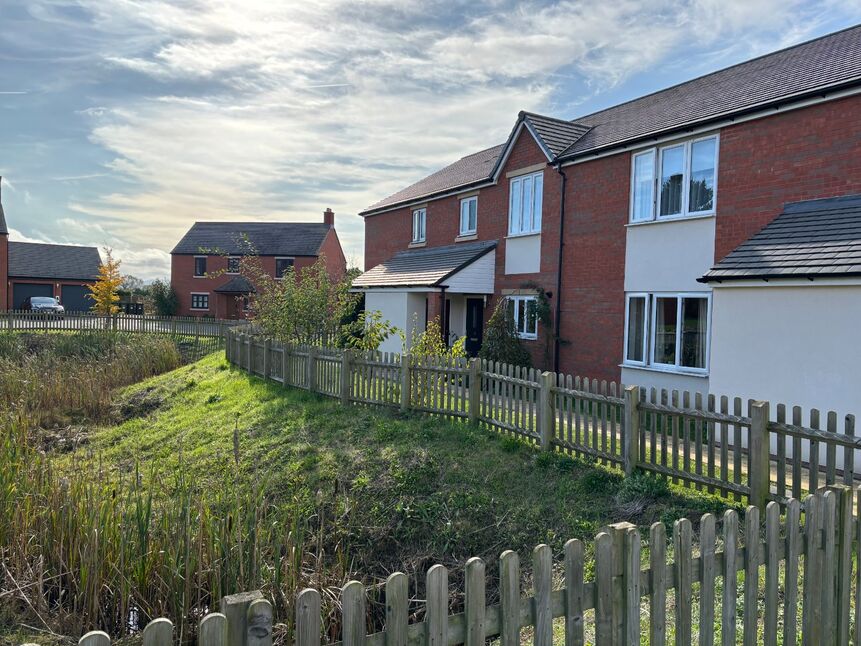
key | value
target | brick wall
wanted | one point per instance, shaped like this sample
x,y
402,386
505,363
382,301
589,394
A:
x,y
800,155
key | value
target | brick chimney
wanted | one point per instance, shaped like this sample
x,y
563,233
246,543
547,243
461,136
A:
x,y
329,217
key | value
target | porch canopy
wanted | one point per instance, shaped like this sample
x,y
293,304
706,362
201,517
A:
x,y
236,285
459,268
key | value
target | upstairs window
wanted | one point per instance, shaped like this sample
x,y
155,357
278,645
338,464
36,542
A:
x,y
525,312
199,266
674,181
282,266
524,204
468,216
419,223
233,264
667,331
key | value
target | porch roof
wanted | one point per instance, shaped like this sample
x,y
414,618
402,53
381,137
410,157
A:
x,y
236,285
426,267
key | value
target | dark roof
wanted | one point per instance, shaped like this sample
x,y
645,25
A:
x,y
3,228
812,239
236,285
261,238
807,69
803,69
427,267
555,134
40,260
468,170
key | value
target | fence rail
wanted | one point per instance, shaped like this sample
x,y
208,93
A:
x,y
799,580
85,321
746,450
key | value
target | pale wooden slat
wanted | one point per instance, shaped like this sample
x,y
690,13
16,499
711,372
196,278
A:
x,y
475,602
604,594
781,453
212,631
730,578
845,500
509,592
657,568
397,609
437,606
848,454
857,631
810,628
353,613
724,444
542,573
308,618
829,566
813,473
95,638
158,632
259,631
751,573
574,593
796,455
707,579
772,568
831,450
682,556
632,586
793,553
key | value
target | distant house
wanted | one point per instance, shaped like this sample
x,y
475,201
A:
x,y
204,267
37,269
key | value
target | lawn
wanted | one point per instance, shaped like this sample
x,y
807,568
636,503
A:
x,y
316,493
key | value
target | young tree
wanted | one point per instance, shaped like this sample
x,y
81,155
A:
x,y
501,342
104,292
164,298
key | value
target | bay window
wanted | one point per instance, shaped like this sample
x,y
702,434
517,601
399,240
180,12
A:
x,y
667,331
525,198
525,312
419,224
674,181
468,216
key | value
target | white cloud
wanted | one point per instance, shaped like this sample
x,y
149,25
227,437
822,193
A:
x,y
278,110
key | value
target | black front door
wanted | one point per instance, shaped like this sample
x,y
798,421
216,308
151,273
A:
x,y
474,325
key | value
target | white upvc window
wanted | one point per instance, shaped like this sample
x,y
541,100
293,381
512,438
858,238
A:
x,y
232,265
525,198
675,181
419,225
468,215
525,312
668,331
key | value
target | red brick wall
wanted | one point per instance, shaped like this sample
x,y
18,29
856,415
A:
x,y
388,233
799,155
4,269
333,254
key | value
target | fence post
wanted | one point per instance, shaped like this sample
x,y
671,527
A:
x,y
546,413
266,362
758,448
346,381
474,389
845,536
235,608
406,380
311,369
618,533
632,428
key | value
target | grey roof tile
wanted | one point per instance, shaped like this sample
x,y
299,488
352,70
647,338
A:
x,y
426,267
811,238
556,134
261,238
236,285
40,260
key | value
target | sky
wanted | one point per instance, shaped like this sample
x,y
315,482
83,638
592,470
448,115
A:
x,y
122,122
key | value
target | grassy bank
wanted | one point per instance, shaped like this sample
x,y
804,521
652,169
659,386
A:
x,y
207,482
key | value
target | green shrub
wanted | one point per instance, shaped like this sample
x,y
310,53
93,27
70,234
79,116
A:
x,y
501,342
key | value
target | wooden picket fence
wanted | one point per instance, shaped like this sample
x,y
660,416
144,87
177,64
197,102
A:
x,y
85,321
745,450
800,581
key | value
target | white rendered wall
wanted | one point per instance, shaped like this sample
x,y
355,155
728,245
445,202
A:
x,y
405,310
523,254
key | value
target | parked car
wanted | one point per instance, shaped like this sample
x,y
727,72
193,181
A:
x,y
47,305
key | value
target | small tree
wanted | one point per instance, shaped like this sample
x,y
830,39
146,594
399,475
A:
x,y
501,342
104,292
164,298
371,330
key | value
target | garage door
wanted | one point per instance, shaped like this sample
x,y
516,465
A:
x,y
21,291
74,298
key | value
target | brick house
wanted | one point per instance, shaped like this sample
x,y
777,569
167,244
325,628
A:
x,y
204,265
620,216
40,269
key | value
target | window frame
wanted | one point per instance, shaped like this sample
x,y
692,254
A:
x,y
199,309
536,222
658,153
292,264
515,299
473,199
204,259
419,233
628,298
238,260
650,323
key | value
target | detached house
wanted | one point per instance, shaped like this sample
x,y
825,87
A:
x,y
705,237
40,269
205,264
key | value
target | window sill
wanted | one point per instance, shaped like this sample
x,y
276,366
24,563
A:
x,y
675,218
523,235
466,237
416,245
198,276
670,371
527,338
198,309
